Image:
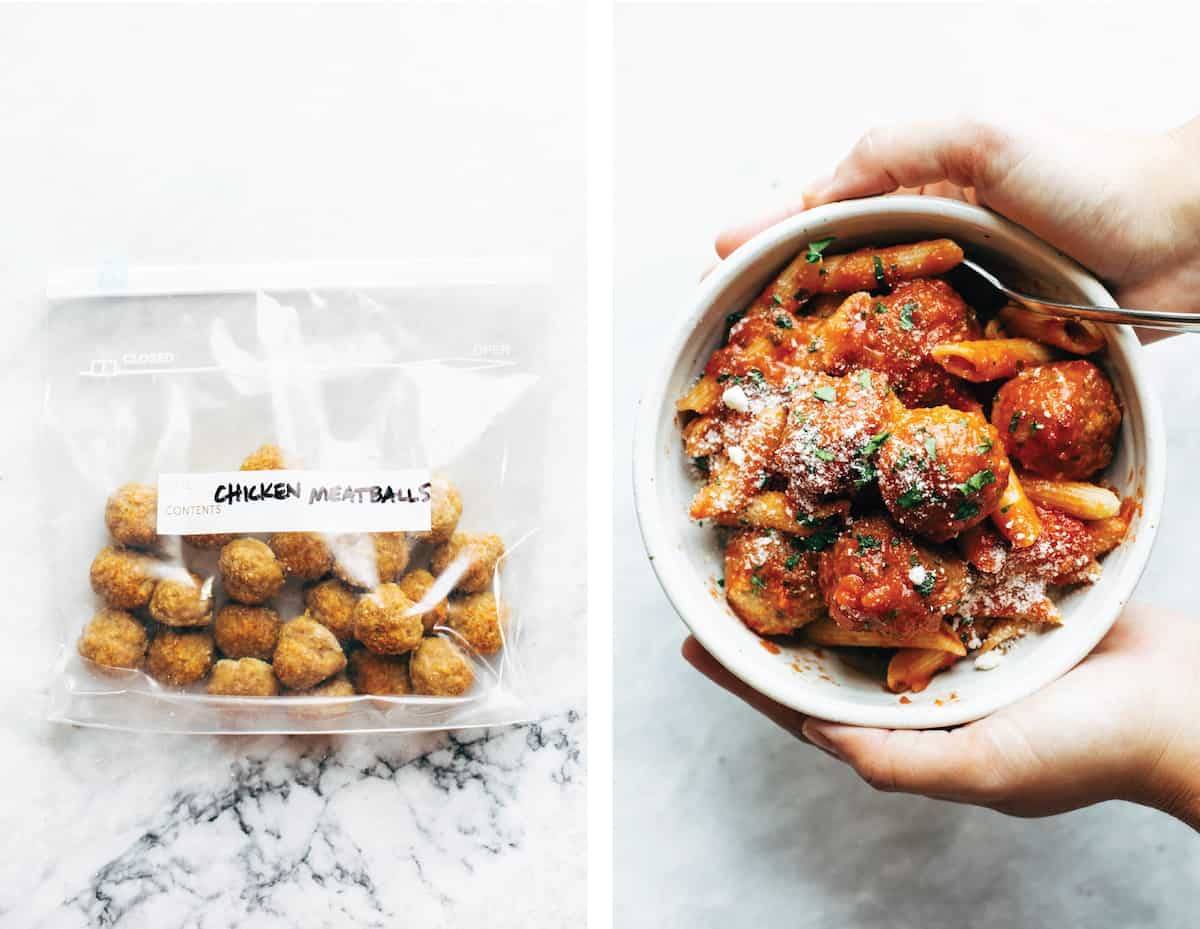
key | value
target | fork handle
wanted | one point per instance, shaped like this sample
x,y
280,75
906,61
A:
x,y
1147,319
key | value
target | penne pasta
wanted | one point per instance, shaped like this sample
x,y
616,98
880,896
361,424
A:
x,y
990,359
827,632
1075,498
911,669
702,437
771,510
1015,516
703,396
1107,534
994,329
983,549
1077,336
865,269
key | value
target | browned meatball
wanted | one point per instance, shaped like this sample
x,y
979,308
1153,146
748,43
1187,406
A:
x,y
331,603
477,618
246,631
877,577
445,508
131,515
337,686
832,429
210,541
415,585
381,675
941,471
480,553
180,657
265,458
250,571
771,581
384,621
114,639
1059,420
123,578
243,677
307,654
439,669
302,554
182,601
366,561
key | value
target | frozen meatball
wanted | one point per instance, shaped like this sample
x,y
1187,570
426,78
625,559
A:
x,y
182,601
250,571
307,654
834,426
246,631
302,554
771,580
439,669
265,458
476,617
384,621
331,603
876,577
210,541
123,578
337,686
131,515
180,657
415,584
381,675
446,508
1059,420
941,471
366,561
243,677
480,554
114,639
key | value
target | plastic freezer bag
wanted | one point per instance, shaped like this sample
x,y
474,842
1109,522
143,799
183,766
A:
x,y
293,499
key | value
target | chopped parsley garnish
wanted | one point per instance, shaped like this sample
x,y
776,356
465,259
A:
x,y
914,496
874,444
777,300
902,461
757,377
822,454
968,509
792,561
734,317
976,482
825,393
757,582
1035,426
880,308
864,379
824,534
1016,418
783,322
814,346
815,249
925,588
906,312
722,378
799,418
720,582
930,447
879,277
701,464
867,542
985,446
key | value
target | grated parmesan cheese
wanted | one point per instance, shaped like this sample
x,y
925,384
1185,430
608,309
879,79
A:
x,y
736,455
917,574
735,398
988,661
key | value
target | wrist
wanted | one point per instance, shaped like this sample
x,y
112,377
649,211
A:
x,y
1173,785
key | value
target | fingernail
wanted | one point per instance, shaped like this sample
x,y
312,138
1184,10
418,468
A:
x,y
813,733
816,190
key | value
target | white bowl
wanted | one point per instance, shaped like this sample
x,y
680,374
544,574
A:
x,y
688,559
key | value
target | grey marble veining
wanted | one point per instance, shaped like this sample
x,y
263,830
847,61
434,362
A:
x,y
308,831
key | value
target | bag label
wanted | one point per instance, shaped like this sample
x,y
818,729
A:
x,y
294,501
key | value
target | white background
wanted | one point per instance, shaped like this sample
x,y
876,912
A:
x,y
722,819
203,134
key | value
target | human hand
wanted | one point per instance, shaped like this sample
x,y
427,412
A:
x,y
1121,725
1125,206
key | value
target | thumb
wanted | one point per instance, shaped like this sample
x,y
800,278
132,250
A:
x,y
965,152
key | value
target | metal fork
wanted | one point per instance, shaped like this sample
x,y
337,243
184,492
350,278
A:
x,y
1150,319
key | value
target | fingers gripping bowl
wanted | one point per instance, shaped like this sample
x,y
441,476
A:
x,y
689,558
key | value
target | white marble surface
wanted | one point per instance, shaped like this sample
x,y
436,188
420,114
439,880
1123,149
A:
x,y
722,819
191,135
